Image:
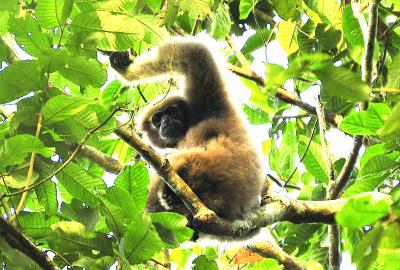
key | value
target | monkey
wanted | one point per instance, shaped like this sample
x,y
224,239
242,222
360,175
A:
x,y
211,148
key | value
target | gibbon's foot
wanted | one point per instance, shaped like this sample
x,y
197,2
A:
x,y
120,60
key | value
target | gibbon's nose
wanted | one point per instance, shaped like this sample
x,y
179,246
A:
x,y
165,120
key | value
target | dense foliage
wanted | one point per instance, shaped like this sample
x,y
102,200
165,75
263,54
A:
x,y
59,109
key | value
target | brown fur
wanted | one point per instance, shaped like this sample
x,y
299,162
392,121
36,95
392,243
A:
x,y
215,158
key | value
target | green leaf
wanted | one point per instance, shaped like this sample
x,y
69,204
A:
x,y
328,11
391,129
366,122
36,224
47,197
287,9
314,160
375,170
70,237
343,83
256,41
286,154
174,227
169,16
351,28
245,7
115,5
80,184
363,209
220,22
15,149
53,13
203,263
394,72
28,35
196,9
286,37
62,107
135,179
122,199
118,30
30,78
83,71
256,116
365,252
141,241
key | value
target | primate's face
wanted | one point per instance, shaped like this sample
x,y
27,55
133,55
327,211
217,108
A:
x,y
171,122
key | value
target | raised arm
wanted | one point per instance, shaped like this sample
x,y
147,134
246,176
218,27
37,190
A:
x,y
204,84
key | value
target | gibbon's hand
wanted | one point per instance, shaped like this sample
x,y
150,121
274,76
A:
x,y
120,60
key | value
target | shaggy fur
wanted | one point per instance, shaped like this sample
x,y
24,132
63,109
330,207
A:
x,y
216,157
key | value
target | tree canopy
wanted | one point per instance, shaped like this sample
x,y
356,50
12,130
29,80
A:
x,y
74,174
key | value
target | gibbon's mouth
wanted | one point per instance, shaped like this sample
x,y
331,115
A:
x,y
172,131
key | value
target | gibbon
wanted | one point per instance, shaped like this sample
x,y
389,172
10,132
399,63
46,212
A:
x,y
211,149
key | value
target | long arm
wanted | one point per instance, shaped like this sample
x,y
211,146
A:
x,y
204,83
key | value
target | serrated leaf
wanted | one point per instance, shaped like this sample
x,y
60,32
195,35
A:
x,y
373,173
115,5
203,263
343,83
141,241
363,209
122,199
53,13
287,9
62,107
84,71
36,224
391,129
256,41
314,160
394,73
256,116
80,184
30,78
366,122
47,197
286,37
220,22
70,237
245,7
28,35
196,9
119,30
365,252
174,224
134,179
15,149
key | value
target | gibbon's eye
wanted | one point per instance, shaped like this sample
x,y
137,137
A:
x,y
156,119
171,110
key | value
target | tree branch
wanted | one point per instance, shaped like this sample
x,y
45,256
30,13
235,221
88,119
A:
x,y
196,207
108,163
269,250
285,96
344,175
18,241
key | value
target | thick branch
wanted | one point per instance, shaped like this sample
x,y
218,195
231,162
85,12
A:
x,y
268,250
108,163
199,211
18,241
276,208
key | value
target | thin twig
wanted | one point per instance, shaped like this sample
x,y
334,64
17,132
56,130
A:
x,y
268,250
28,181
71,157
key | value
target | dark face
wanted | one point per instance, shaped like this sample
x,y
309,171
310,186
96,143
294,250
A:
x,y
171,122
